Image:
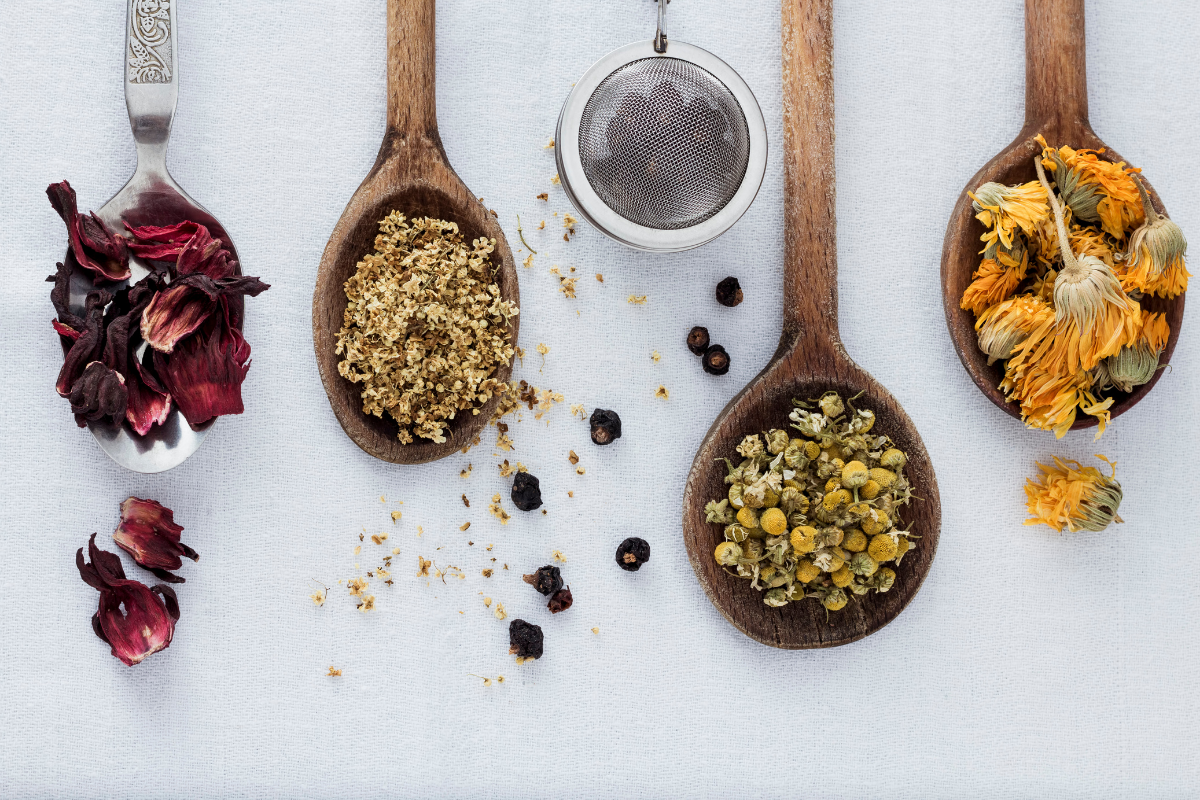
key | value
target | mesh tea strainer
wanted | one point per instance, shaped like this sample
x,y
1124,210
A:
x,y
660,145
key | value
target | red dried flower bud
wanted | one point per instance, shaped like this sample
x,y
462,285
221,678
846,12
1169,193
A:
x,y
93,244
164,243
148,533
88,346
179,310
561,600
204,375
98,394
148,404
147,623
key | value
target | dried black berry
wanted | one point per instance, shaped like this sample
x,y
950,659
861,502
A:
x,y
632,553
606,426
561,601
716,360
698,340
524,640
526,492
546,580
729,292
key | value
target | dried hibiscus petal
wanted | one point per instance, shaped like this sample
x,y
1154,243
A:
x,y
88,344
135,620
148,533
176,312
148,403
95,246
161,243
98,394
60,297
205,372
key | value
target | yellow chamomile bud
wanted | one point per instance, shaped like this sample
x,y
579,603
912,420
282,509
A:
x,y
854,475
835,601
735,495
843,577
882,548
811,450
835,499
884,477
884,579
863,565
870,490
727,554
770,498
855,541
875,522
807,571
747,518
804,539
833,484
775,598
893,459
902,547
774,522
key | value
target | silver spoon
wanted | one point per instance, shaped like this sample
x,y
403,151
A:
x,y
151,197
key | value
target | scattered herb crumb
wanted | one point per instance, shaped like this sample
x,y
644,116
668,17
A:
x,y
318,597
577,410
499,612
334,672
367,604
567,287
466,502
396,515
600,277
356,586
357,549
663,393
544,196
465,473
555,180
379,538
498,511
465,525
572,457
423,567
487,573
559,557
528,262
638,299
655,356
596,631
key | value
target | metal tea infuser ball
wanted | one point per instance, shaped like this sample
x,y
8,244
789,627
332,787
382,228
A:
x,y
661,145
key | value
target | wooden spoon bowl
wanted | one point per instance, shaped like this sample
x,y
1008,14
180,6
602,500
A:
x,y
810,361
1056,107
413,176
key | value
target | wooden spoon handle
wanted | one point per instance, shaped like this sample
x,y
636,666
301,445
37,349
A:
x,y
1055,64
412,68
810,298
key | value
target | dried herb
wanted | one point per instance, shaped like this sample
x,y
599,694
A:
x,y
524,639
189,309
729,292
606,426
1072,496
561,600
148,533
697,340
547,580
838,488
716,360
135,620
526,492
94,246
632,553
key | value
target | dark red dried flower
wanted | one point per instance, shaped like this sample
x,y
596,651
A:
x,y
561,601
98,394
179,310
149,404
93,244
148,533
205,372
135,620
189,244
161,243
88,345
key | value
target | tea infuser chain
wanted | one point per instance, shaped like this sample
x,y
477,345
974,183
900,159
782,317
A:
x,y
660,38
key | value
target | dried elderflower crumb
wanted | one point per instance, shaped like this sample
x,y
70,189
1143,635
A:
x,y
318,598
577,410
356,586
367,604
487,573
395,551
357,549
600,277
655,356
504,443
638,299
663,393
555,180
550,146
333,673
423,567
542,225
498,511
464,526
567,287
544,196
487,601
379,538
466,502
506,469
542,348
528,262
559,557
499,612
396,515
569,222
574,459
465,473
425,326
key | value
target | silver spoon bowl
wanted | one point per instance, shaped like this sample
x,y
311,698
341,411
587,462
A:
x,y
151,197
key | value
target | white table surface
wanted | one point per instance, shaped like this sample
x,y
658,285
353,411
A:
x,y
1031,664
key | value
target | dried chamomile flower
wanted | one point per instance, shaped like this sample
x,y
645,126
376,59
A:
x,y
1068,494
814,516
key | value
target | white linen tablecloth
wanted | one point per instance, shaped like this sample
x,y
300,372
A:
x,y
1031,664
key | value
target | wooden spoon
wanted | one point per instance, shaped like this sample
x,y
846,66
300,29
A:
x,y
810,361
411,175
1056,106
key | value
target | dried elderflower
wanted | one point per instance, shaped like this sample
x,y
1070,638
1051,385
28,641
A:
x,y
808,523
425,326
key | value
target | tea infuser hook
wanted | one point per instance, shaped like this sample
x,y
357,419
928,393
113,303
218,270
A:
x,y
660,38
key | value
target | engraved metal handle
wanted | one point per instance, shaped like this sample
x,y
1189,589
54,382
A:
x,y
151,78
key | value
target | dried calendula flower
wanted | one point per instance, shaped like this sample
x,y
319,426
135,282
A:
x,y
805,516
1068,494
1155,263
425,326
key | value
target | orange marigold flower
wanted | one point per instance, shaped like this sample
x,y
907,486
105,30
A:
x,y
1136,363
1008,323
1155,261
1073,496
996,279
1002,209
1120,209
